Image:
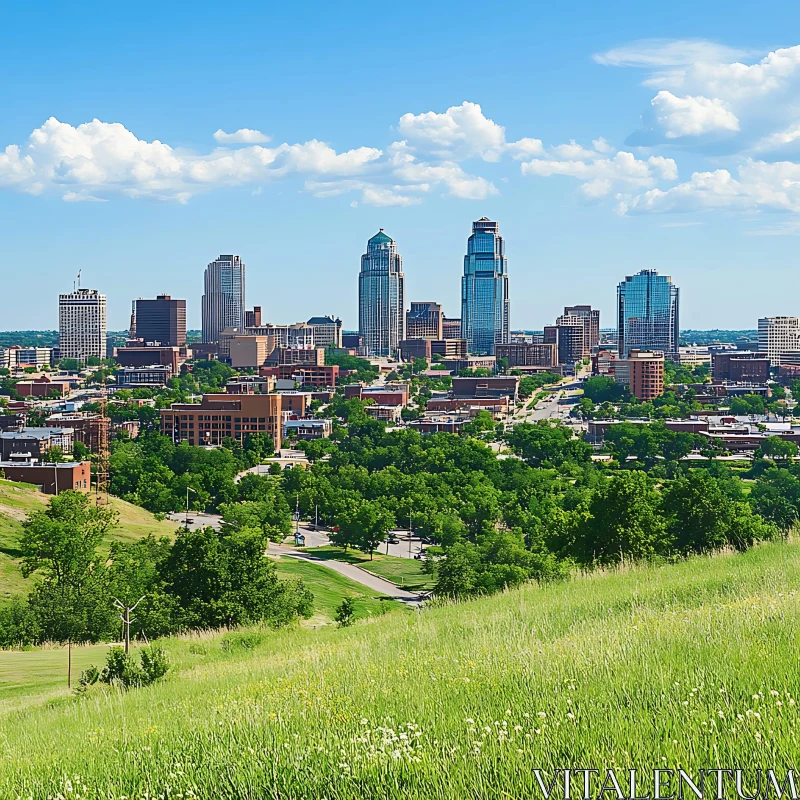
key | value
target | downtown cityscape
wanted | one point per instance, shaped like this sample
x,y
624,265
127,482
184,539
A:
x,y
399,402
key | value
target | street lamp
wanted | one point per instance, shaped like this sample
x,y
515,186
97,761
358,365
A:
x,y
188,489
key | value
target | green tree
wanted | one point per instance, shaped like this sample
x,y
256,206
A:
x,y
547,443
346,612
602,389
778,449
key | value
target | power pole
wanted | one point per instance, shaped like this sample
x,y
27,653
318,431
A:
x,y
126,618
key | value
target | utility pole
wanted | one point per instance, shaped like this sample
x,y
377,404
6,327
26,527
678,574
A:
x,y
126,618
296,517
409,534
316,516
188,489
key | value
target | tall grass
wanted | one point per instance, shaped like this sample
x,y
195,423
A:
x,y
691,665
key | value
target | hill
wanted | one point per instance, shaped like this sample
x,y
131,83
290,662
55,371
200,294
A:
x,y
691,665
17,500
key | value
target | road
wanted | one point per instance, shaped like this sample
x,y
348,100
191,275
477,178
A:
x,y
549,407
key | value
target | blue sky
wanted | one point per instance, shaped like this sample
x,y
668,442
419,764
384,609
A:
x,y
604,139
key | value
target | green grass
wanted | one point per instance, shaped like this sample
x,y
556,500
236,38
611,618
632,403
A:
x,y
330,588
17,500
407,573
692,665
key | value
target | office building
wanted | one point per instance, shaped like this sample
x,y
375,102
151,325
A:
x,y
425,321
381,297
740,366
327,331
485,305
451,327
249,352
221,416
642,372
528,354
223,297
778,335
82,324
647,314
298,335
153,376
591,325
161,322
571,338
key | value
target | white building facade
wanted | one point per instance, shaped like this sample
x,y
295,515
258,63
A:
x,y
82,324
778,335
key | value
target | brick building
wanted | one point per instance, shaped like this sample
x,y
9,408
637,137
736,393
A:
x,y
528,354
642,372
740,366
50,478
219,416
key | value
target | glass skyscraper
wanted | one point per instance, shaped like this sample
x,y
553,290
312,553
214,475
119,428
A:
x,y
381,297
484,290
223,298
647,314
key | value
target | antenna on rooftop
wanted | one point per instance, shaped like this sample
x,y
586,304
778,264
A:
x,y
79,278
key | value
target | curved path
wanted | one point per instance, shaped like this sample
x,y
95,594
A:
x,y
353,572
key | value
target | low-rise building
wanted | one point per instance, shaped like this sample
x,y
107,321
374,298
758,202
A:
x,y
327,331
389,413
32,444
50,478
305,429
142,356
44,387
435,423
492,387
155,376
219,416
527,354
740,366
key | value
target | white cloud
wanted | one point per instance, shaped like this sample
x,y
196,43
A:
x,y
759,186
602,146
691,116
106,157
668,53
601,175
242,136
381,196
572,151
81,197
462,132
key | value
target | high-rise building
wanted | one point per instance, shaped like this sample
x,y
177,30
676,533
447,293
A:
x,y
485,302
252,318
571,339
647,314
381,297
591,325
425,321
778,335
161,321
82,324
223,298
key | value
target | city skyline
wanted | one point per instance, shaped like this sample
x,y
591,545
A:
x,y
628,155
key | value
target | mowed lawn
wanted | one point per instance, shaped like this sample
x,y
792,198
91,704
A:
x,y
691,665
407,573
330,588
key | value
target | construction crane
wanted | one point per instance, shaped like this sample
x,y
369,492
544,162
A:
x,y
101,463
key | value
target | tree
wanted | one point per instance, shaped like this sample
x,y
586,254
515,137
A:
x,y
346,612
365,527
547,443
625,521
224,579
601,389
80,452
778,449
60,542
53,455
457,572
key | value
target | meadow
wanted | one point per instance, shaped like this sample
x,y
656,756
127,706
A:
x,y
691,665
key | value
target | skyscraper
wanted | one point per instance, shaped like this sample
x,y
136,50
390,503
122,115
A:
x,y
162,320
484,290
647,314
82,324
381,297
223,299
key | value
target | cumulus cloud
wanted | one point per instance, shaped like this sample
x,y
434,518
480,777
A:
x,y
242,136
462,132
759,186
691,116
600,175
711,97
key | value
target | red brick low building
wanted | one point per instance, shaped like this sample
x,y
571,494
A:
x,y
50,478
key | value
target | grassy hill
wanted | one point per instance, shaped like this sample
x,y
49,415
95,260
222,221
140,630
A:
x,y
17,500
692,665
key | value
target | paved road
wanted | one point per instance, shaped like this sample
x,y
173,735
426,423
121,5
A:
x,y
198,519
351,571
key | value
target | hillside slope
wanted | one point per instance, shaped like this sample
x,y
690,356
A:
x,y
692,665
17,500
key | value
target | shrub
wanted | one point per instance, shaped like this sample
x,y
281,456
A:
x,y
122,670
346,612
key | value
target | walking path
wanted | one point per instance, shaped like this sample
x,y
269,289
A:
x,y
351,571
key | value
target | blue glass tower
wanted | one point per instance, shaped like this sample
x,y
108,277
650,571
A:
x,y
381,296
647,314
485,303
